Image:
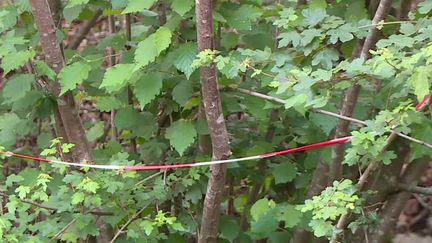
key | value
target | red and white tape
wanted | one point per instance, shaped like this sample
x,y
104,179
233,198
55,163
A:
x,y
419,107
187,165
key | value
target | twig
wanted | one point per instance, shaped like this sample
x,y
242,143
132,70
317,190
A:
x,y
416,189
135,216
148,178
54,210
84,30
63,229
329,113
386,23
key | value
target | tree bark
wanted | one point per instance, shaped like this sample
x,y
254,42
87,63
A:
x,y
66,104
351,95
394,206
216,123
67,110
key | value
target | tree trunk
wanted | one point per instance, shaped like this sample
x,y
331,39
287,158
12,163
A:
x,y
216,123
67,110
351,95
66,104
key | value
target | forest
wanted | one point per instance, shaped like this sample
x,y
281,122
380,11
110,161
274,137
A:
x,y
244,121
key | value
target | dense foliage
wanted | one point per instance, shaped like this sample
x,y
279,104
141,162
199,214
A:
x,y
303,55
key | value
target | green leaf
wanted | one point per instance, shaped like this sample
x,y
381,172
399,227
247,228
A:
x,y
321,228
108,103
229,228
77,197
72,75
182,6
184,57
43,69
126,118
17,87
147,226
22,191
289,37
290,215
284,172
420,81
151,47
181,135
73,3
95,131
425,7
261,207
342,33
243,17
147,87
138,6
308,35
72,13
116,77
264,226
15,60
182,92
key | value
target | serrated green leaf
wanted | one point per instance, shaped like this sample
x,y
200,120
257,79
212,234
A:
x,y
290,215
43,69
73,75
261,207
420,81
185,55
151,47
22,191
147,226
77,197
108,103
243,17
72,13
14,60
95,131
116,77
138,6
182,92
284,172
182,6
229,228
147,87
17,87
289,37
181,135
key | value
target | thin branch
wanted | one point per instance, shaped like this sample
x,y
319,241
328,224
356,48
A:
x,y
416,189
54,210
329,113
84,30
120,231
63,229
343,220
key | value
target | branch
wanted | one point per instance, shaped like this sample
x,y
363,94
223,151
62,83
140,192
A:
x,y
329,113
84,30
135,216
416,189
54,210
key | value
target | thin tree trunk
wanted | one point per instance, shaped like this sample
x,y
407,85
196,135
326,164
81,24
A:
x,y
351,95
68,111
66,105
216,123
